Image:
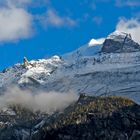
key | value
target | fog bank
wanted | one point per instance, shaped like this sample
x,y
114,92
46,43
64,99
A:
x,y
43,101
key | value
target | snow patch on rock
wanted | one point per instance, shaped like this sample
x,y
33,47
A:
x,y
95,42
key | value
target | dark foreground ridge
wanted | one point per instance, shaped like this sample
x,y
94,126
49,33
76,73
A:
x,y
95,118
90,118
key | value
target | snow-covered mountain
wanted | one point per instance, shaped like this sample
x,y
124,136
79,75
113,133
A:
x,y
100,67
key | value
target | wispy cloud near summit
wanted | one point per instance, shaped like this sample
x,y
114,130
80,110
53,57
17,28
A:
x,y
131,26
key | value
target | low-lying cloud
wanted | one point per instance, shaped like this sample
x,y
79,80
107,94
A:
x,y
45,102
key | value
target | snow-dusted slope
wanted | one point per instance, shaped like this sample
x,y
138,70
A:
x,y
120,42
36,72
89,69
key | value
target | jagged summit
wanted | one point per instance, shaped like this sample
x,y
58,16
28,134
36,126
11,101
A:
x,y
29,72
116,42
120,42
118,35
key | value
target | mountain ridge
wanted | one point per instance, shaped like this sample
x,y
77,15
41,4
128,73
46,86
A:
x,y
87,69
103,78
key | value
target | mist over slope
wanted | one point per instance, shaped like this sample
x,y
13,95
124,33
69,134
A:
x,y
37,101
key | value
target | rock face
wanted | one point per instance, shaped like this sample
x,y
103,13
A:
x,y
95,118
120,42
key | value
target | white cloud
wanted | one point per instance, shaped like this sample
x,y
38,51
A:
x,y
120,3
15,23
53,19
130,3
131,26
18,3
15,3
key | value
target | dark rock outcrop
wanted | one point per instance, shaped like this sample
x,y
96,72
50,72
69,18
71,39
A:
x,y
90,118
100,118
120,42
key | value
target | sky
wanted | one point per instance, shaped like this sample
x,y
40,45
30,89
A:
x,y
39,29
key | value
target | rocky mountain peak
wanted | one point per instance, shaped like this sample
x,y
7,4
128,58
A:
x,y
120,42
118,35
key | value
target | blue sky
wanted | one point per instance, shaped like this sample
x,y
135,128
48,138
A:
x,y
42,28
